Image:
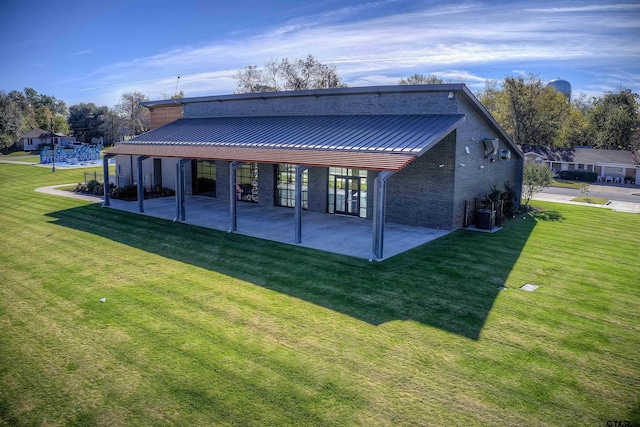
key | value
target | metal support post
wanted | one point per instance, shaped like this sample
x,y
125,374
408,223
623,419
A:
x,y
298,202
140,184
105,171
233,216
379,208
180,190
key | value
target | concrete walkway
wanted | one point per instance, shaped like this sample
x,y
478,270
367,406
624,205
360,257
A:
x,y
339,234
617,206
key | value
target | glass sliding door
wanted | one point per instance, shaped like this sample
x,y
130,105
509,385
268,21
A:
x,y
347,192
286,185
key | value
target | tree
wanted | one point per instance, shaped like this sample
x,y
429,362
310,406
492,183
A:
x,y
36,100
44,117
613,121
536,111
10,121
27,113
85,119
421,79
112,126
137,117
60,125
535,178
300,74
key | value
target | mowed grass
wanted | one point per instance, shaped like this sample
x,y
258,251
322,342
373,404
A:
x,y
202,327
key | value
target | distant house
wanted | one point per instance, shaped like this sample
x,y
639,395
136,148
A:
x,y
610,165
36,138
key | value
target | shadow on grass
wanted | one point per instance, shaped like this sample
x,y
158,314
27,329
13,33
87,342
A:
x,y
450,283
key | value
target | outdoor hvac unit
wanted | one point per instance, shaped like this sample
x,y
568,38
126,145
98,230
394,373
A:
x,y
485,219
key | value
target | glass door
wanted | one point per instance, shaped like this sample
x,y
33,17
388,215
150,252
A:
x,y
346,195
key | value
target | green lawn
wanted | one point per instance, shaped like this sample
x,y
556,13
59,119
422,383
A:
x,y
568,184
17,154
202,327
21,156
591,200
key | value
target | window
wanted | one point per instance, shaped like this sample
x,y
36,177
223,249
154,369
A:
x,y
204,182
247,182
286,185
348,192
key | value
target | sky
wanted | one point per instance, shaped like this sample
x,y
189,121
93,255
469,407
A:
x,y
94,51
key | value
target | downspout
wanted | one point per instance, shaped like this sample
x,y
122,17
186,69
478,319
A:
x,y
379,208
105,171
298,203
233,217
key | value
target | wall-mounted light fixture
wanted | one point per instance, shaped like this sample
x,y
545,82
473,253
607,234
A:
x,y
450,95
466,149
505,154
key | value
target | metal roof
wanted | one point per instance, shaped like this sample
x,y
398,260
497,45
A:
x,y
458,88
405,134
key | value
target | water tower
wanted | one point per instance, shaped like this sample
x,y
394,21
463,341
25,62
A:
x,y
561,86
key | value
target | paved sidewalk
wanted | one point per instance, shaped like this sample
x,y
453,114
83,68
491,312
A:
x,y
53,189
617,206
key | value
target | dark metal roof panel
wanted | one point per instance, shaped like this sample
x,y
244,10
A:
x,y
370,133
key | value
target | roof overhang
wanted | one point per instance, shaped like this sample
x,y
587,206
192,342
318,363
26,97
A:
x,y
376,142
321,158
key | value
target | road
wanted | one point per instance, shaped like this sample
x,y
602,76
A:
x,y
619,193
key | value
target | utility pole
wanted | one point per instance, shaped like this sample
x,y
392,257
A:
x,y
53,146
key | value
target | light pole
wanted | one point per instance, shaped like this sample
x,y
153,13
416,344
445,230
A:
x,y
53,147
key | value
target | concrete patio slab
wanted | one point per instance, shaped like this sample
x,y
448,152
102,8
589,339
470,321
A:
x,y
339,234
331,233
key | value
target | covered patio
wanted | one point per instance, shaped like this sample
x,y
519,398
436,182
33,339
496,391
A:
x,y
339,234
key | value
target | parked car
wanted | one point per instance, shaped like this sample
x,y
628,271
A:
x,y
75,144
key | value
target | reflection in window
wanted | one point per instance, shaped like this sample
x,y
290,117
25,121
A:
x,y
286,185
205,178
247,182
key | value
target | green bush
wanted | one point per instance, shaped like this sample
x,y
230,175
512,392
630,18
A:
x,y
577,175
126,192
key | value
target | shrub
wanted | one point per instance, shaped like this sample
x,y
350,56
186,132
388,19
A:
x,y
578,175
126,192
508,197
92,186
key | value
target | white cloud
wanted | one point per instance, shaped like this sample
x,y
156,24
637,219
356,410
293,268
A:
x,y
373,50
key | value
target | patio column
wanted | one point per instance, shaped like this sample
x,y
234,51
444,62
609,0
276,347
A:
x,y
105,171
298,202
140,184
379,207
180,210
233,217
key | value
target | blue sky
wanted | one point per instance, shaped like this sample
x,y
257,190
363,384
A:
x,y
93,51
